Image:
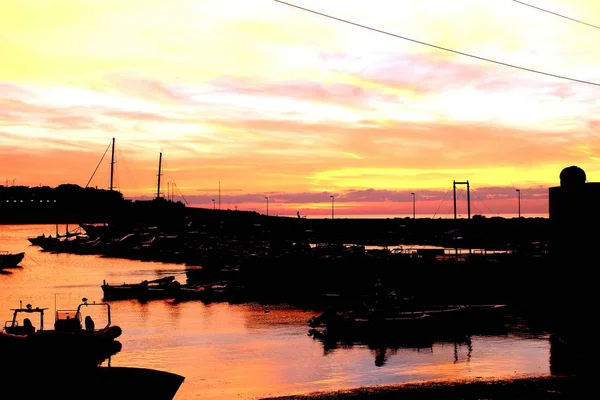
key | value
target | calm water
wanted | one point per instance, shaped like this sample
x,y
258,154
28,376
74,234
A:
x,y
242,351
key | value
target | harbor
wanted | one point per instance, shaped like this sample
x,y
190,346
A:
x,y
253,349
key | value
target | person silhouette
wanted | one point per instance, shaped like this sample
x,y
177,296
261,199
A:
x,y
89,323
28,325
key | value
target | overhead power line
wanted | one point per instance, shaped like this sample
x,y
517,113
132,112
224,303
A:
x,y
557,14
436,46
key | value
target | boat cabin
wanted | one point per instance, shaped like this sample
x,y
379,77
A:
x,y
67,321
21,322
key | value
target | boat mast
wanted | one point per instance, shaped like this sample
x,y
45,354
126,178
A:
x,y
112,164
159,174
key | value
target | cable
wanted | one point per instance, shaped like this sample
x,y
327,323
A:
x,y
557,14
476,209
436,46
482,202
94,173
458,196
442,202
123,160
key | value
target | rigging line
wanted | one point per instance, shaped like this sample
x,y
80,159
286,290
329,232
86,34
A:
x,y
436,46
181,194
92,177
557,14
118,180
127,169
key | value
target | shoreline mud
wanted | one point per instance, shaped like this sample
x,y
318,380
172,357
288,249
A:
x,y
522,387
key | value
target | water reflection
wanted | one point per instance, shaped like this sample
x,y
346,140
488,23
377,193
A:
x,y
248,350
382,346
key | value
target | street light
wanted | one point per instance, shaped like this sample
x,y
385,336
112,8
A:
x,y
331,207
414,208
213,200
267,197
519,194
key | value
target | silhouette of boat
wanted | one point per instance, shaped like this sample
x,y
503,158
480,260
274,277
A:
x,y
428,319
485,311
10,260
69,338
371,321
134,383
98,383
66,362
43,239
161,287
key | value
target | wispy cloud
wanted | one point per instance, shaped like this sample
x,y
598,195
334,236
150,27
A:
x,y
267,99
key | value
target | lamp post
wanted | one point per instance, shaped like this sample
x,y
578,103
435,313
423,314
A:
x,y
414,207
267,197
519,196
214,207
332,212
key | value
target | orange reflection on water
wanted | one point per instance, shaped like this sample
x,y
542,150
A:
x,y
240,351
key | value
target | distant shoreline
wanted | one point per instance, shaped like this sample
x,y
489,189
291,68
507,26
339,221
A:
x,y
61,220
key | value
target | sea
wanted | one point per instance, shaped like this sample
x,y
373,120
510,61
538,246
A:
x,y
244,351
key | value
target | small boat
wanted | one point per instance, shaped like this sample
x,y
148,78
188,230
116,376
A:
x,y
144,290
207,292
484,309
42,239
134,383
483,313
371,322
70,338
10,260
98,383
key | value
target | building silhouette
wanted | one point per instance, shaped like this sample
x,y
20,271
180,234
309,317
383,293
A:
x,y
575,218
574,214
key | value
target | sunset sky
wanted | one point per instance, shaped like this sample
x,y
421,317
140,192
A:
x,y
273,101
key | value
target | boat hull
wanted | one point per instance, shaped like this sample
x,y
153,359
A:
x,y
10,260
115,383
84,348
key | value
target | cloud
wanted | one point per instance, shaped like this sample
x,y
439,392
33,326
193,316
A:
x,y
364,196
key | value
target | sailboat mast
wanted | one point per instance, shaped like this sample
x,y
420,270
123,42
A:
x,y
112,164
159,174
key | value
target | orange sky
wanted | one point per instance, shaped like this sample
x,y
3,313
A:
x,y
273,101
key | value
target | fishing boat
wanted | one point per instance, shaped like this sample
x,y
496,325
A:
x,y
10,260
43,239
143,290
217,291
70,338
